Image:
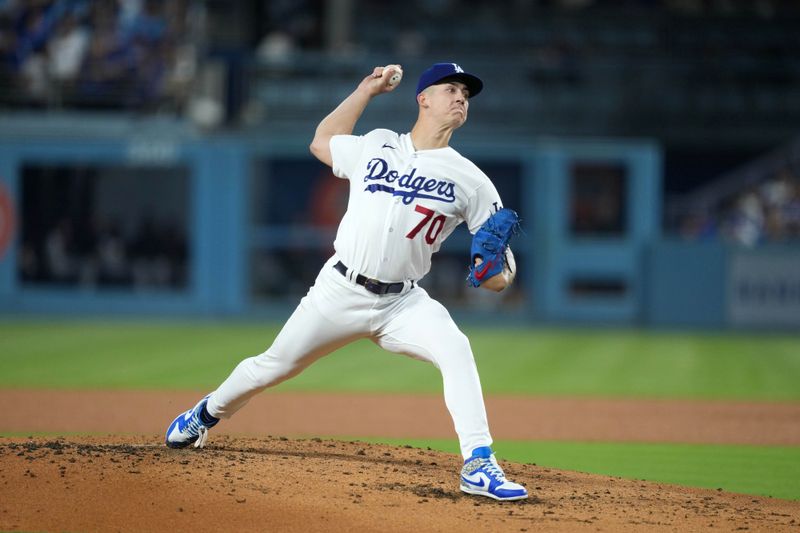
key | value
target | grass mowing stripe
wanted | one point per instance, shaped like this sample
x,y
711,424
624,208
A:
x,y
760,470
199,355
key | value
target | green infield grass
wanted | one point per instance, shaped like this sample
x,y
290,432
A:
x,y
762,470
199,355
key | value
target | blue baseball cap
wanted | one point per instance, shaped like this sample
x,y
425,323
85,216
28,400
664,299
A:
x,y
441,72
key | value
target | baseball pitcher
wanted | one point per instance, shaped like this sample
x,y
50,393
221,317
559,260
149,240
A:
x,y
408,192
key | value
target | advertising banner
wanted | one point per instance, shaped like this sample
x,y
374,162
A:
x,y
764,288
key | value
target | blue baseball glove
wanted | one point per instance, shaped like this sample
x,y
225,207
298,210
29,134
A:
x,y
490,243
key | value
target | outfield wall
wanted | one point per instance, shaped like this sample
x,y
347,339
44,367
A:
x,y
141,222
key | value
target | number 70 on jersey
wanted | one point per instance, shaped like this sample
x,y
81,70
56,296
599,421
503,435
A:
x,y
435,224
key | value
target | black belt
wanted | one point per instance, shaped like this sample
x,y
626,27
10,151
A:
x,y
373,285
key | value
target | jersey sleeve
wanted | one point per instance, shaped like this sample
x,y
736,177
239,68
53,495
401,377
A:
x,y
345,153
481,205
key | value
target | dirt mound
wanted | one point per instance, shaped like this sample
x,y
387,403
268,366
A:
x,y
276,484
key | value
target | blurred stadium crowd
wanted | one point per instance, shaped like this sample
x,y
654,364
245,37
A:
x,y
96,252
87,226
767,211
117,54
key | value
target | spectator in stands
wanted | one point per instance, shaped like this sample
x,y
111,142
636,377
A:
x,y
33,29
62,265
108,69
111,255
66,49
147,23
747,219
787,203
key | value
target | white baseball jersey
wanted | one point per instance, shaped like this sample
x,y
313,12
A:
x,y
404,202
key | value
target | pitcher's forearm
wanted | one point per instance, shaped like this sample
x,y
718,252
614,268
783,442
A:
x,y
340,121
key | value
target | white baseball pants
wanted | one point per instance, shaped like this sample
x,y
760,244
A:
x,y
336,312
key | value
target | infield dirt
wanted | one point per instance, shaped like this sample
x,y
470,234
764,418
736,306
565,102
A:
x,y
130,482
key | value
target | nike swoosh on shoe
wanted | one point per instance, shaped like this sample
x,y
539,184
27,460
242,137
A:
x,y
473,483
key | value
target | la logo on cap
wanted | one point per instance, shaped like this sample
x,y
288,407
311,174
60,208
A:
x,y
457,68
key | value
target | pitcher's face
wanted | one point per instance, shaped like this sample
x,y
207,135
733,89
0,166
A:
x,y
448,102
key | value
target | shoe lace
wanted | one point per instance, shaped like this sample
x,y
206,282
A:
x,y
491,467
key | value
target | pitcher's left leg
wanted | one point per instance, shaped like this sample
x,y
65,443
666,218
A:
x,y
421,327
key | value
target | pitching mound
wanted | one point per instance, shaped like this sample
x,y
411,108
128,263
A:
x,y
277,484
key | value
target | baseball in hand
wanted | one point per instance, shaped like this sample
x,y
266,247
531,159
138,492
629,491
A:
x,y
397,75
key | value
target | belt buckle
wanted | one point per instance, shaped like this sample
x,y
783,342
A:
x,y
373,285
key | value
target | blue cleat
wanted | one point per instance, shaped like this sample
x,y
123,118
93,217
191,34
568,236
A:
x,y
187,428
482,475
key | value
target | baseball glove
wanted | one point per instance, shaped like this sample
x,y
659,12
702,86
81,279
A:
x,y
490,243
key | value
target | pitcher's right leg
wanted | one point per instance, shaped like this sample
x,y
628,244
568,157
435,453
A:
x,y
331,315
306,336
